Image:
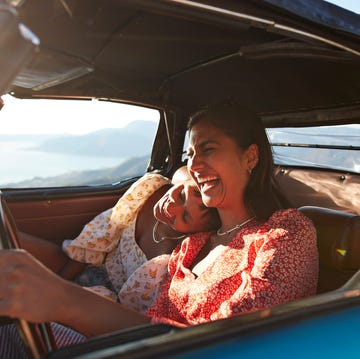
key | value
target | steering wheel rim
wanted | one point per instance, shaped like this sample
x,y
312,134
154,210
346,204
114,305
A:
x,y
38,338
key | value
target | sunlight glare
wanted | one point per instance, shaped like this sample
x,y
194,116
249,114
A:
x,y
77,117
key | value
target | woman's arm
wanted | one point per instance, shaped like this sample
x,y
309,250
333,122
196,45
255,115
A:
x,y
31,291
95,315
51,255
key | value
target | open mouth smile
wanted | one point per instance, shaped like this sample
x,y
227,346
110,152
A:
x,y
207,183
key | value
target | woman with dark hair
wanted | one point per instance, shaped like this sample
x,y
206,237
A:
x,y
261,255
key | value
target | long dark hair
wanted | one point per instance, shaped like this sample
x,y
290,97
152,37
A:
x,y
245,128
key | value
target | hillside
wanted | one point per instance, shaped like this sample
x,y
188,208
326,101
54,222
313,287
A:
x,y
132,167
133,140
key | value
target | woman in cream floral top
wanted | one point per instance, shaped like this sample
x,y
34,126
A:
x,y
126,264
132,241
136,273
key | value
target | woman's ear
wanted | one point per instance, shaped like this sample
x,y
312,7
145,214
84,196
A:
x,y
252,156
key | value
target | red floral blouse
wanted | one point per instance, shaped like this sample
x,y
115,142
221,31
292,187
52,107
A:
x,y
264,265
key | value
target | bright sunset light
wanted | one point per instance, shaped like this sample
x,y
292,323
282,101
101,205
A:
x,y
26,116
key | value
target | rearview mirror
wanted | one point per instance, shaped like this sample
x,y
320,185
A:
x,y
17,46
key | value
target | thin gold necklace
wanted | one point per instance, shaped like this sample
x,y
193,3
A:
x,y
155,235
234,228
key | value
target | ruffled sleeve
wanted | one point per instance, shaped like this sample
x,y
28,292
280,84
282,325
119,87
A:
x,y
102,234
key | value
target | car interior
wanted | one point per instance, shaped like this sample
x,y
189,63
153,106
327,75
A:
x,y
268,64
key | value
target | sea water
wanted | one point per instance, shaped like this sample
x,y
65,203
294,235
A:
x,y
18,162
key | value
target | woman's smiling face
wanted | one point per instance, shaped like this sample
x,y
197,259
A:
x,y
217,164
182,208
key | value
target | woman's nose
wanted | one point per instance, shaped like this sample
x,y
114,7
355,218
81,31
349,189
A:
x,y
194,163
173,209
174,204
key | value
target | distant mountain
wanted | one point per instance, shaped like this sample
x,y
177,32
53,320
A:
x,y
144,128
133,140
132,167
25,137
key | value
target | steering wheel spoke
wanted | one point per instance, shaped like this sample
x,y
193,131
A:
x,y
38,338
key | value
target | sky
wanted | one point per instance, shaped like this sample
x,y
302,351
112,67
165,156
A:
x,y
53,117
353,5
27,117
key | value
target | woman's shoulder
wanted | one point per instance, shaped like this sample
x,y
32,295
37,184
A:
x,y
155,179
291,219
288,225
287,214
145,186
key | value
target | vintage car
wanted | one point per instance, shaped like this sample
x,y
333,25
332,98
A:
x,y
296,63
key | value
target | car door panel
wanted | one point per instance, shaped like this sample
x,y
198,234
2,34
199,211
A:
x,y
56,217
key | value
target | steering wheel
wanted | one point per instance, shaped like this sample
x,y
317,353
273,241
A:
x,y
38,338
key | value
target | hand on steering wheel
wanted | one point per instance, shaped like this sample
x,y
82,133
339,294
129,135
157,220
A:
x,y
38,338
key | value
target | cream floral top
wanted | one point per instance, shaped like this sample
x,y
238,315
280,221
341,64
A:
x,y
110,239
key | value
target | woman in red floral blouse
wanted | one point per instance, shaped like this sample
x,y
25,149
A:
x,y
261,255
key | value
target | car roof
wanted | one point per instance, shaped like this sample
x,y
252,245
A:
x,y
287,60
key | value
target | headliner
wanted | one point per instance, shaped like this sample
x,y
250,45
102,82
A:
x,y
172,54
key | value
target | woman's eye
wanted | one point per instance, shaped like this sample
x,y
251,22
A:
x,y
208,149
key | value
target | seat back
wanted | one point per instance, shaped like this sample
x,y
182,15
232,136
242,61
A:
x,y
338,237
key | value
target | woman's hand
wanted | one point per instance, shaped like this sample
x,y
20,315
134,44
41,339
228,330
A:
x,y
28,289
31,291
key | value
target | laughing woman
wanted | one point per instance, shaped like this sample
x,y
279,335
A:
x,y
261,255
